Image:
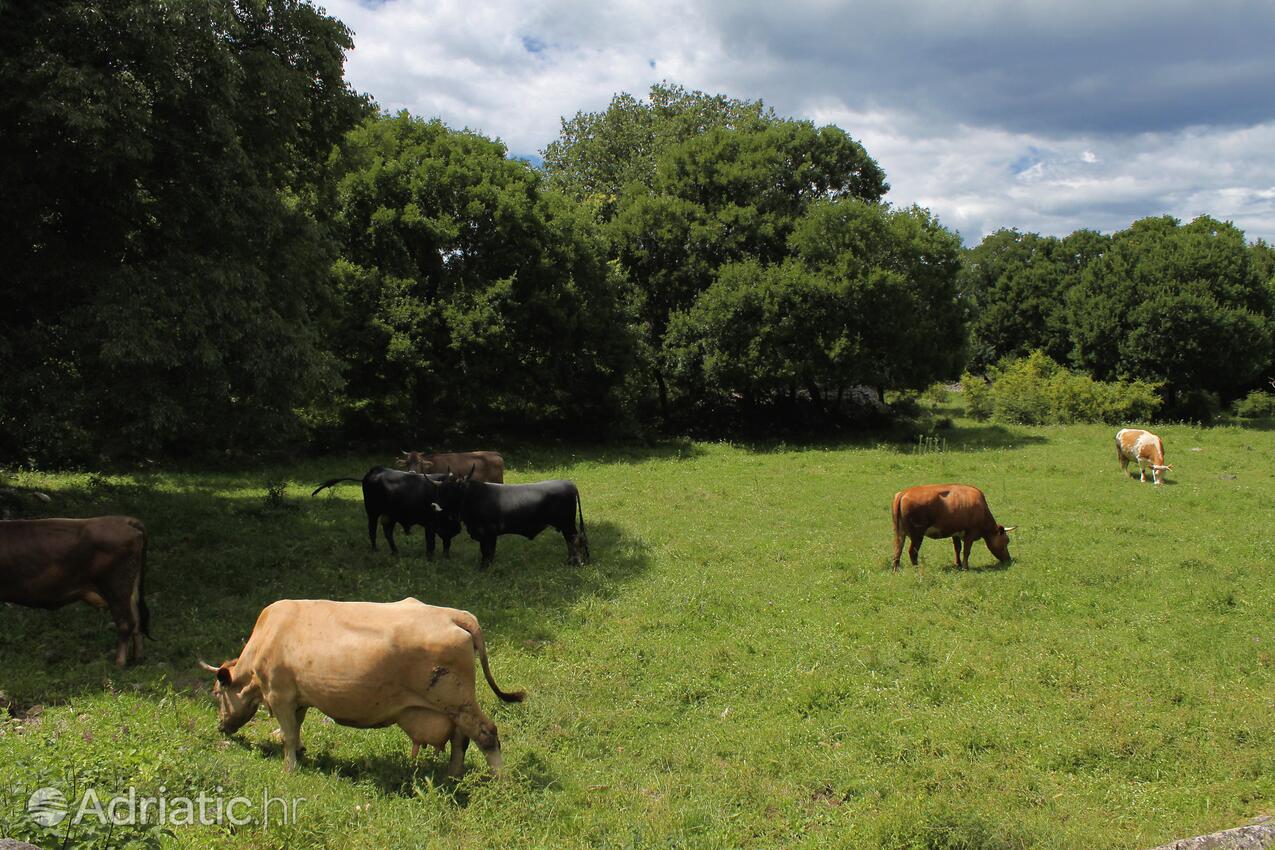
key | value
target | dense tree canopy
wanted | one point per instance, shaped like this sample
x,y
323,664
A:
x,y
1180,304
1017,286
162,267
213,243
868,297
471,296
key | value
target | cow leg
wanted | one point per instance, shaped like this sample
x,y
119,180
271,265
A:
x,y
956,549
429,543
460,743
371,528
290,718
488,547
573,553
447,547
1142,471
125,624
965,556
898,550
387,526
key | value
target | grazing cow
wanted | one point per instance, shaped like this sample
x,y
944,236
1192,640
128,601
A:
x,y
406,498
957,511
1145,448
486,466
364,664
489,510
48,563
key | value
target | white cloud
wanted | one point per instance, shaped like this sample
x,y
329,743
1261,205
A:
x,y
993,116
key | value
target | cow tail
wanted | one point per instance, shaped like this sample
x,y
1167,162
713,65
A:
x,y
332,481
580,511
896,514
143,613
470,624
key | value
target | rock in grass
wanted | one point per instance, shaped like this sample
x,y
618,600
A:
x,y
1253,837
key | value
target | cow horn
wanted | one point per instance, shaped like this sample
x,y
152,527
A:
x,y
1009,528
204,664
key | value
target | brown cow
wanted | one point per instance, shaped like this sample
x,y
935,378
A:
x,y
367,665
1145,448
48,563
486,466
957,511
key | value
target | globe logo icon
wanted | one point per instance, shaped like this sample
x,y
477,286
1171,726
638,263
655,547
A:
x,y
47,806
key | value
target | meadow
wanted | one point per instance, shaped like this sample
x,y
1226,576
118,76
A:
x,y
737,667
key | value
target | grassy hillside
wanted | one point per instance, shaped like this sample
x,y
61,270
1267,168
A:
x,y
737,667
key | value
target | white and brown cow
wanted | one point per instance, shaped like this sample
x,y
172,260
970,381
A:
x,y
1134,444
48,563
958,511
367,665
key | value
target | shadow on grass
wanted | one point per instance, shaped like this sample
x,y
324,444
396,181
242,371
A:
x,y
965,438
216,559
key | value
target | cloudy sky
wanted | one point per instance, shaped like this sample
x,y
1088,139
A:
x,y
1044,115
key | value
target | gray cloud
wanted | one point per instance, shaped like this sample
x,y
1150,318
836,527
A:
x,y
1048,115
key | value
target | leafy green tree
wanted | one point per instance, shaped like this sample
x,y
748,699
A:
x,y
597,155
164,264
868,297
1016,286
1173,303
725,182
472,296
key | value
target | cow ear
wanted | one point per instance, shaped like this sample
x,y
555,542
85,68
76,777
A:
x,y
427,465
223,675
435,507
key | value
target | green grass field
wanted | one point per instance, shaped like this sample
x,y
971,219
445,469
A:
x,y
738,667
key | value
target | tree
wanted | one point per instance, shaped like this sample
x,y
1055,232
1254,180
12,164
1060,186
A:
x,y
472,297
1016,286
868,297
693,183
164,263
598,155
1182,304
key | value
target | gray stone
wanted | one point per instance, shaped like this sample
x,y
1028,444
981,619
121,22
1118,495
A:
x,y
1252,837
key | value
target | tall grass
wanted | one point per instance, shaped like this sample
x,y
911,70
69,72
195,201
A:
x,y
737,667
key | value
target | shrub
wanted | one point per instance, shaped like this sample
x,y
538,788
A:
x,y
1035,390
978,396
1258,404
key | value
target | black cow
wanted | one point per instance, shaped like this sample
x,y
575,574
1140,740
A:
x,y
406,498
489,510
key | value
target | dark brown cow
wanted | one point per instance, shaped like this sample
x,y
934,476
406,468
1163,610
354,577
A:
x,y
958,511
48,563
486,466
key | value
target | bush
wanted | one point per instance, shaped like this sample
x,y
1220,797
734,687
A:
x,y
1035,390
978,397
1258,404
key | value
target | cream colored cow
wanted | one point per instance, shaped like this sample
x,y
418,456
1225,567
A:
x,y
367,665
1145,448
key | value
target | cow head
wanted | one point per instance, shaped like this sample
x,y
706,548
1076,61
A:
x,y
237,698
1158,470
998,543
414,462
451,494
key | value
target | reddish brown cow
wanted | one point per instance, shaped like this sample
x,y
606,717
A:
x,y
486,466
48,563
957,511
